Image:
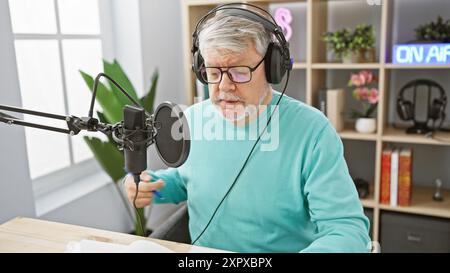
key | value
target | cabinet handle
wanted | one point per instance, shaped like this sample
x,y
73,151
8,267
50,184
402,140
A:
x,y
414,238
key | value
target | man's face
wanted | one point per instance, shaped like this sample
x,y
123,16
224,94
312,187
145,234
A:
x,y
233,100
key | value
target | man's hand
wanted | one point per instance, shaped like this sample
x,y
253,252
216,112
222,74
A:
x,y
145,194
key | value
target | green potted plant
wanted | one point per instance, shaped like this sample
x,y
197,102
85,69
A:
x,y
366,91
438,31
352,46
112,102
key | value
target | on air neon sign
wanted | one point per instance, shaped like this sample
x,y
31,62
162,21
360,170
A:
x,y
411,54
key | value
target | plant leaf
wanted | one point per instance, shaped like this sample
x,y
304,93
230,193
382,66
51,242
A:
x,y
109,157
115,71
112,109
149,99
101,117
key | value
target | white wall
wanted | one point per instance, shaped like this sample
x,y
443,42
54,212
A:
x,y
16,197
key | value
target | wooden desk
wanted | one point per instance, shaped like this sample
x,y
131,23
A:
x,y
33,235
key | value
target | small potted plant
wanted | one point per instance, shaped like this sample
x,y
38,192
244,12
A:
x,y
338,42
438,31
363,41
365,84
352,46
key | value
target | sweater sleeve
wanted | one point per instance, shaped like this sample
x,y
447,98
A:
x,y
333,202
174,190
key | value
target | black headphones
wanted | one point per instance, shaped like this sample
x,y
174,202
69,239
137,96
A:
x,y
277,58
436,110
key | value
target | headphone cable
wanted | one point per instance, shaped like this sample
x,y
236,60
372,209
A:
x,y
246,161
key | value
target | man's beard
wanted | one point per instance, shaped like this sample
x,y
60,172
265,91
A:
x,y
238,111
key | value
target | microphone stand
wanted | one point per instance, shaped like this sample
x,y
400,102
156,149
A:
x,y
74,124
120,135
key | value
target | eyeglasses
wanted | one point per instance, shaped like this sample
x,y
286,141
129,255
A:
x,y
237,74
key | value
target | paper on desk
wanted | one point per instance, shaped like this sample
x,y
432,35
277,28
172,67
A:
x,y
140,246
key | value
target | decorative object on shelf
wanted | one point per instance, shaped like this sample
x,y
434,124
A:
x,y
438,31
431,47
406,109
335,107
366,91
352,46
421,54
283,17
362,186
437,196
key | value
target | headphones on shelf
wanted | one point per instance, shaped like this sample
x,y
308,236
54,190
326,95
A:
x,y
277,59
436,110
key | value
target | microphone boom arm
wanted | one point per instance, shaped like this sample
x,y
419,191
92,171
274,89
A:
x,y
74,124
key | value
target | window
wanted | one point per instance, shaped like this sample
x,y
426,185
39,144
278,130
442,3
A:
x,y
54,39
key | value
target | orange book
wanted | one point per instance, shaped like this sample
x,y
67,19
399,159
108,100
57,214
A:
x,y
405,177
385,192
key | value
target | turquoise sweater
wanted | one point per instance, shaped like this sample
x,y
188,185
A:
x,y
294,195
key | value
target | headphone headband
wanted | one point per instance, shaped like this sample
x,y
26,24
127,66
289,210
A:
x,y
277,56
426,82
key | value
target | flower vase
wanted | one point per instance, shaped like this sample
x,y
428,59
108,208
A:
x,y
366,125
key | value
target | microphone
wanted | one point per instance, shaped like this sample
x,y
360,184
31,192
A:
x,y
168,128
135,136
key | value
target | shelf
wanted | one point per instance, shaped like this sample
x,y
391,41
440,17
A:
x,y
350,133
318,17
369,201
423,204
346,66
299,66
399,135
402,66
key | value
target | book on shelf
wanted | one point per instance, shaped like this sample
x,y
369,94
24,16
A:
x,y
404,177
394,177
385,191
335,107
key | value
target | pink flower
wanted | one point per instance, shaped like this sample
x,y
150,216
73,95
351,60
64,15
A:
x,y
364,93
373,96
367,76
357,80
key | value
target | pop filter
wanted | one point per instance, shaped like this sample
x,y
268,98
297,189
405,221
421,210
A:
x,y
172,139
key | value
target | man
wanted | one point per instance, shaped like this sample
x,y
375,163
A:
x,y
294,194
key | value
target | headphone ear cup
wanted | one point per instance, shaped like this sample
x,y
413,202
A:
x,y
405,110
436,109
197,64
274,65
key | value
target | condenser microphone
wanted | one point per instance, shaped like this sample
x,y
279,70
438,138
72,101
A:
x,y
135,137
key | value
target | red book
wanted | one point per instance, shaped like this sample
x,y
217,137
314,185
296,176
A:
x,y
385,191
405,177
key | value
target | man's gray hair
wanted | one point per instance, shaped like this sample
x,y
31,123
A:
x,y
233,33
